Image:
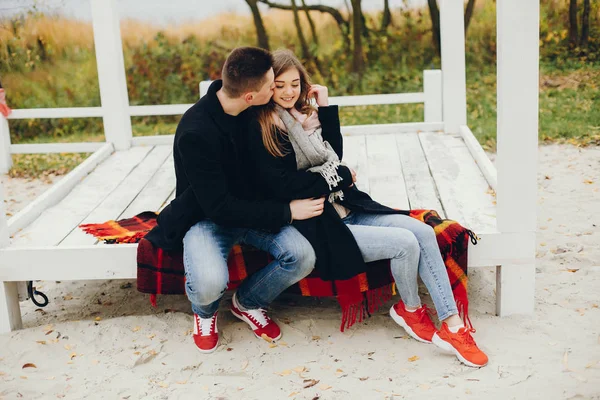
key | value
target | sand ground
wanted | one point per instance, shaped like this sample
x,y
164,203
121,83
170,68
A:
x,y
102,339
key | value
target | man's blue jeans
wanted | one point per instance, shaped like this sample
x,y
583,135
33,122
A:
x,y
206,247
412,247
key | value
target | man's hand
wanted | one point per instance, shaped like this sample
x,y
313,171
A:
x,y
306,208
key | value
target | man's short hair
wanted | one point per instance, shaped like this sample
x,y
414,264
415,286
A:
x,y
244,70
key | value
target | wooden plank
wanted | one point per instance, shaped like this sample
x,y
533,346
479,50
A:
x,y
10,312
115,261
377,99
45,148
121,197
73,112
464,192
386,180
420,186
163,109
483,161
155,193
355,155
158,140
57,191
382,129
56,223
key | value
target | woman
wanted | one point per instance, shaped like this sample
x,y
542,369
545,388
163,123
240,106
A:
x,y
297,150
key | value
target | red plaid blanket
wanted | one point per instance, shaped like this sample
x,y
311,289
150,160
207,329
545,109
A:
x,y
162,272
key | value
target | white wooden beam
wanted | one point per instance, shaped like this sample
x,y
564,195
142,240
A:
x,y
432,86
58,191
67,112
10,312
518,81
5,157
111,73
384,129
46,148
483,161
165,109
114,261
453,64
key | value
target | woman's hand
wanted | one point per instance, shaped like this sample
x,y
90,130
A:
x,y
306,208
320,94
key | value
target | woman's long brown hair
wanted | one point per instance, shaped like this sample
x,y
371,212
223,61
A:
x,y
283,60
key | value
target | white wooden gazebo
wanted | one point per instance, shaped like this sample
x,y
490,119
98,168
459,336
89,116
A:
x,y
435,164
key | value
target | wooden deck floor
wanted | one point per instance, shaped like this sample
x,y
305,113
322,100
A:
x,y
405,170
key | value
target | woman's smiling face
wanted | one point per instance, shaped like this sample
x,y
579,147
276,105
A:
x,y
287,88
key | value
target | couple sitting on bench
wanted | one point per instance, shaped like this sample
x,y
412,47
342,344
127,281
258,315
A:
x,y
257,163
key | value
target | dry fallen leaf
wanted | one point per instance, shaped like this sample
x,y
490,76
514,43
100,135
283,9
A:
x,y
68,297
284,373
49,332
29,365
272,345
308,383
98,318
324,387
181,382
266,338
163,384
153,336
339,371
137,328
293,394
316,338
364,379
566,360
300,369
67,347
413,358
73,355
588,181
41,341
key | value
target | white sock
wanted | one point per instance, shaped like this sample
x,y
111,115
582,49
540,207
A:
x,y
411,310
454,329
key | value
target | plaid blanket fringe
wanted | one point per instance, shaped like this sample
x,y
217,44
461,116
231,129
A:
x,y
162,272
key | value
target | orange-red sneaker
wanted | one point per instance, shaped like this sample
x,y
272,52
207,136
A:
x,y
417,324
206,334
461,344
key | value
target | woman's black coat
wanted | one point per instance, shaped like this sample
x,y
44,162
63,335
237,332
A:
x,y
277,178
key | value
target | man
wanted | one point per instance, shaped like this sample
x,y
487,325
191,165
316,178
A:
x,y
213,208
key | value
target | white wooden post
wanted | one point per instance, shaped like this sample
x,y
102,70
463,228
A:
x,y
518,73
10,313
432,87
204,85
5,155
111,73
452,39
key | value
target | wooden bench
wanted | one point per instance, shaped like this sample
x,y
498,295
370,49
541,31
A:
x,y
435,164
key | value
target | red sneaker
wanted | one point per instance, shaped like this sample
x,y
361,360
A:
x,y
417,324
461,344
206,334
260,323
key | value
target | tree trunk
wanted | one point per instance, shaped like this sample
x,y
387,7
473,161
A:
x,y
386,19
585,25
305,51
469,14
358,62
261,32
434,12
313,29
573,30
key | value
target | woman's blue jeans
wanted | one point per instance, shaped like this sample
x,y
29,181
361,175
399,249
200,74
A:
x,y
412,247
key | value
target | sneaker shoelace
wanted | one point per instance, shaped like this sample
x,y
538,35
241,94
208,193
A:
x,y
425,315
464,336
206,325
258,316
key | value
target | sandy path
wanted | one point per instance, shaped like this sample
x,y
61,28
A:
x,y
104,340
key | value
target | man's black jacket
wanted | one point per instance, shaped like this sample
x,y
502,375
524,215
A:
x,y
212,180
